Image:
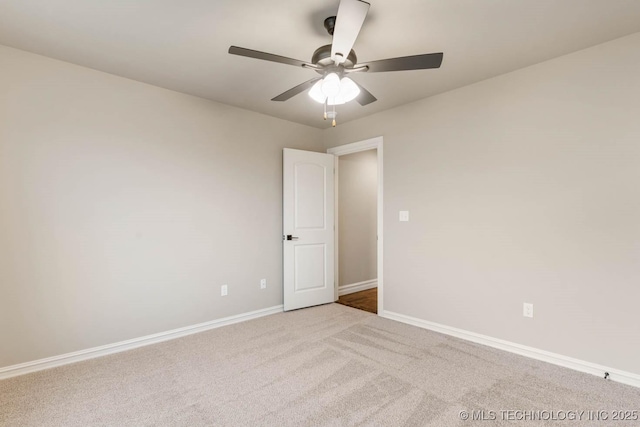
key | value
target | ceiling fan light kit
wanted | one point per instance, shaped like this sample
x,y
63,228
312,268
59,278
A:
x,y
333,90
331,61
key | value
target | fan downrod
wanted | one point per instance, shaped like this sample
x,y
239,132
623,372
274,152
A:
x,y
330,24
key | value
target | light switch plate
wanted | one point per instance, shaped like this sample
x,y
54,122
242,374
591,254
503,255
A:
x,y
404,216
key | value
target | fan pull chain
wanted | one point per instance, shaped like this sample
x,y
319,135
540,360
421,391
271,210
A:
x,y
333,123
325,109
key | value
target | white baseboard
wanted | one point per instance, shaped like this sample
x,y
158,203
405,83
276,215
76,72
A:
x,y
64,359
533,353
357,287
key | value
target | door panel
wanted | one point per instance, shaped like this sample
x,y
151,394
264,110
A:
x,y
310,264
308,201
310,196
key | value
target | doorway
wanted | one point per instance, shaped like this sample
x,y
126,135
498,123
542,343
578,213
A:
x,y
358,224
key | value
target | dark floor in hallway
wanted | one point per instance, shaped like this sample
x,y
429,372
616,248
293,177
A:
x,y
363,300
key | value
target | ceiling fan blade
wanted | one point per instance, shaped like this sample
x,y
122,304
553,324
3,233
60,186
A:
x,y
241,51
365,97
349,20
415,62
296,90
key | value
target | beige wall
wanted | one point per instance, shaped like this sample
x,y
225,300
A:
x,y
521,188
357,211
124,207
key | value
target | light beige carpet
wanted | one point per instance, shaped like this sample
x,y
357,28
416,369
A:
x,y
324,366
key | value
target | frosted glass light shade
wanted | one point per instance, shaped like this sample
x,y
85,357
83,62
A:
x,y
331,85
336,100
348,89
316,92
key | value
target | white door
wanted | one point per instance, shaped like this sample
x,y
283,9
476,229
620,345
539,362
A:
x,y
308,233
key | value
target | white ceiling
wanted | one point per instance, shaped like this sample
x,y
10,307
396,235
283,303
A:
x,y
182,44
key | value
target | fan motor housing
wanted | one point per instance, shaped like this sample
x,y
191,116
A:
x,y
322,57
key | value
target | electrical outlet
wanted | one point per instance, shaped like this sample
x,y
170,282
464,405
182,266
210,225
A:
x,y
403,216
527,309
224,290
263,283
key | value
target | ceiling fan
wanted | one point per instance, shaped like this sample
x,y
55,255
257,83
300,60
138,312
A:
x,y
334,62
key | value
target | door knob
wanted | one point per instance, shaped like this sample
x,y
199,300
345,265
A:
x,y
290,237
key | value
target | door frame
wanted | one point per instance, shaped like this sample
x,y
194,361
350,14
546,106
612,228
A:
x,y
355,147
